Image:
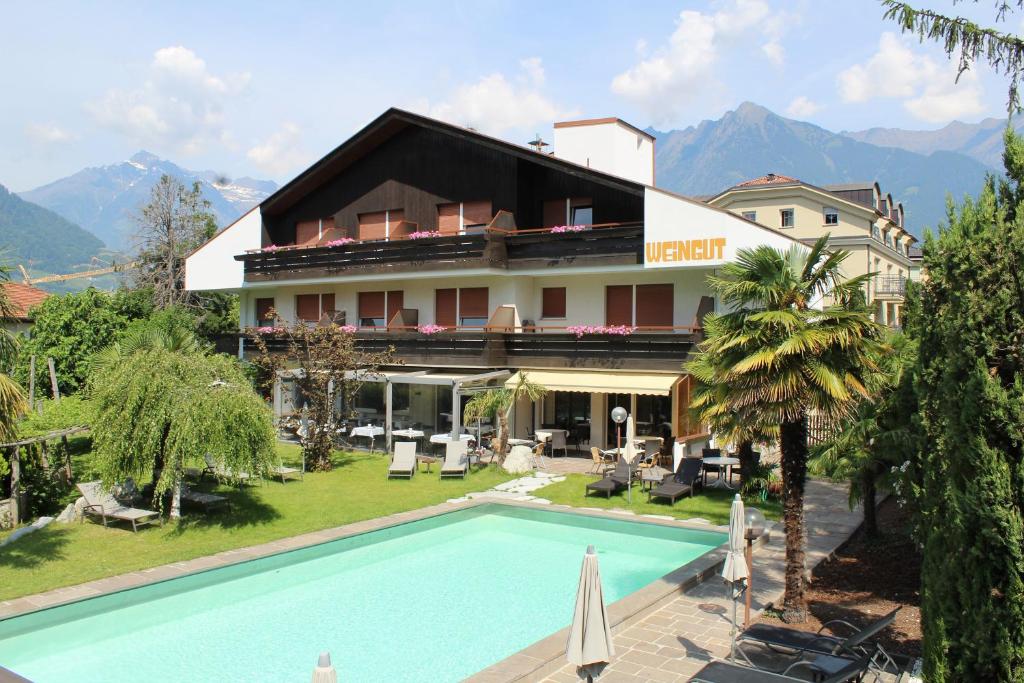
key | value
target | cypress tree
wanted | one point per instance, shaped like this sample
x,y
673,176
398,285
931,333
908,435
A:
x,y
971,476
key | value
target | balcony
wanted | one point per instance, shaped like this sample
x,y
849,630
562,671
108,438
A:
x,y
493,247
655,349
890,286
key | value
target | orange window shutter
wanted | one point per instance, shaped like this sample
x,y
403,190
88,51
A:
x,y
371,305
618,306
263,308
307,232
444,307
654,306
327,303
554,213
372,226
396,301
473,302
448,218
307,307
553,302
477,213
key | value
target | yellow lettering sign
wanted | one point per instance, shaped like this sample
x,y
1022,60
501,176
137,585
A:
x,y
672,251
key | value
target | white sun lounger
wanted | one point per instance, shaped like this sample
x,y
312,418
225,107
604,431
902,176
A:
x,y
403,463
456,461
100,503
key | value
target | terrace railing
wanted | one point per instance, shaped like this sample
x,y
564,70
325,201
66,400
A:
x,y
890,285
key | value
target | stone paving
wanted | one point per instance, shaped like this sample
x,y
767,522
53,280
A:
x,y
674,641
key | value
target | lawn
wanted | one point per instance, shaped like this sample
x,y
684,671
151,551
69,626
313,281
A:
x,y
710,504
356,489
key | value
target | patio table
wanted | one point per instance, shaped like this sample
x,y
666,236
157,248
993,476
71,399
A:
x,y
369,432
723,481
445,438
649,476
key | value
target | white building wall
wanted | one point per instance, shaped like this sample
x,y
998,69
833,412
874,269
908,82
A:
x,y
213,267
611,147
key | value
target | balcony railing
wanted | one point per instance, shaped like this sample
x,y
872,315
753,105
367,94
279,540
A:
x,y
890,285
489,248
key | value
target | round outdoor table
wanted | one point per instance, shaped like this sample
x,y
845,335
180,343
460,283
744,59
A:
x,y
368,432
649,476
445,438
723,481
408,433
427,460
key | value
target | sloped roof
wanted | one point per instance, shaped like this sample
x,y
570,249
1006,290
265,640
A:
x,y
769,179
23,297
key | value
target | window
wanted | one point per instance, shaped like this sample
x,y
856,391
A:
x,y
446,303
312,307
380,225
376,309
471,217
473,306
654,306
831,216
582,215
787,218
307,232
263,315
553,302
618,305
568,211
888,239
750,215
876,232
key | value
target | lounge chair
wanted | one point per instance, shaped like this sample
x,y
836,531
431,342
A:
x,y
102,504
206,501
403,463
611,482
215,469
825,668
858,644
601,463
685,480
456,461
284,471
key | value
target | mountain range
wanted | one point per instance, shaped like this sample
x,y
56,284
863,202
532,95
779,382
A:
x,y
982,141
752,141
105,200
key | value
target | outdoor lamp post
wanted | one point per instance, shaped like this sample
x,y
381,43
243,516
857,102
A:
x,y
754,523
619,416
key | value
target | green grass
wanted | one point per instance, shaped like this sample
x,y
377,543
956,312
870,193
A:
x,y
356,489
710,504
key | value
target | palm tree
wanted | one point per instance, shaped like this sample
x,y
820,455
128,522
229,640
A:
x,y
779,353
499,403
12,399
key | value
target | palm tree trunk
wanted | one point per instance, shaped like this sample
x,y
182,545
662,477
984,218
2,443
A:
x,y
869,490
793,438
502,445
746,456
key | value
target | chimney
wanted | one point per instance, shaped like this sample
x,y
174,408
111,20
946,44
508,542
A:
x,y
609,145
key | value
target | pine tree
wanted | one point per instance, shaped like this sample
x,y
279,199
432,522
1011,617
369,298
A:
x,y
971,469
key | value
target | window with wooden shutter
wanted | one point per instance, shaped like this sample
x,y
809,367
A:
x,y
476,215
654,306
445,304
327,304
307,232
371,309
618,305
554,213
373,226
448,218
552,302
307,307
473,306
263,309
395,302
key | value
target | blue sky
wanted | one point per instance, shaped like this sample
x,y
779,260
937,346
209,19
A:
x,y
255,89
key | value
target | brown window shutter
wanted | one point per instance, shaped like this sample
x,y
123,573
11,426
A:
x,y
654,306
307,232
553,302
476,213
473,302
371,305
444,307
307,307
396,301
448,218
263,307
372,226
618,305
327,303
554,213
683,426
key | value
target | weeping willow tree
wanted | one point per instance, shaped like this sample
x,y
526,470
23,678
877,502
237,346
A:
x,y
158,412
12,400
498,404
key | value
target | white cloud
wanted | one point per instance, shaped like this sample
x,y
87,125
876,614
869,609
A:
x,y
47,132
495,104
679,73
929,90
803,107
281,152
180,103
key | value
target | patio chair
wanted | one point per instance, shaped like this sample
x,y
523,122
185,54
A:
x,y
601,462
755,460
686,479
285,471
711,453
403,463
217,470
206,501
456,461
797,643
102,504
612,481
825,669
558,443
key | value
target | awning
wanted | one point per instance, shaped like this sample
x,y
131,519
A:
x,y
617,382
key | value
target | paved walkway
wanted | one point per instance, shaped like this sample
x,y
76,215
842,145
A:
x,y
674,641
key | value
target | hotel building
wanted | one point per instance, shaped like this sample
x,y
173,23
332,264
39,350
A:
x,y
858,217
571,267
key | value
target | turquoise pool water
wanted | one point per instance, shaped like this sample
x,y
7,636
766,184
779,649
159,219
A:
x,y
432,600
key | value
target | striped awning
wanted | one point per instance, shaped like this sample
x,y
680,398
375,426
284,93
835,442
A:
x,y
615,382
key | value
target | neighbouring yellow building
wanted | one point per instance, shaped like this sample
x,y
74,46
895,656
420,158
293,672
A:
x,y
858,218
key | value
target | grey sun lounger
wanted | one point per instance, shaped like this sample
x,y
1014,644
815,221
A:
x,y
403,464
683,482
456,461
100,503
215,469
612,480
798,642
826,669
207,501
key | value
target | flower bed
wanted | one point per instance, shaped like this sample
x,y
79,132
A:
x,y
581,330
569,228
430,329
339,242
423,234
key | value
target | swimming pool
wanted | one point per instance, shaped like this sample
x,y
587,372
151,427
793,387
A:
x,y
436,599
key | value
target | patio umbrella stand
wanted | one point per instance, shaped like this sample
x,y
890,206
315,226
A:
x,y
589,646
735,571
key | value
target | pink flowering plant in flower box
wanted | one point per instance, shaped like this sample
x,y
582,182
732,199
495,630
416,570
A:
x,y
423,234
569,228
267,329
348,329
270,248
619,330
339,242
430,329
